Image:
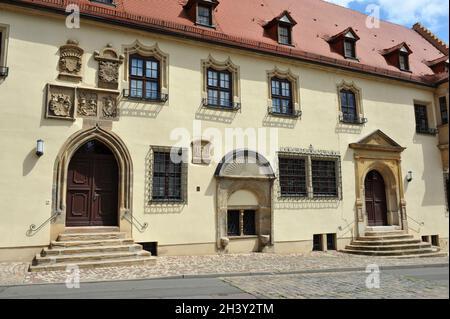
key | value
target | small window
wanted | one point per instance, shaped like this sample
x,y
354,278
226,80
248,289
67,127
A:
x,y
443,109
404,61
324,178
219,88
293,177
426,239
204,15
144,78
167,177
421,119
284,35
317,243
348,107
282,97
241,223
350,48
331,241
109,2
435,240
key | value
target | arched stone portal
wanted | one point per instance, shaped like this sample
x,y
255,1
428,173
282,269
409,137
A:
x,y
125,175
380,153
244,187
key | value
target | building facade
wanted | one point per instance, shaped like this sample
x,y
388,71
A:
x,y
204,128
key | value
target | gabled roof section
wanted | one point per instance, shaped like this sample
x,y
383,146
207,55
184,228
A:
x,y
402,47
347,33
283,17
378,141
444,59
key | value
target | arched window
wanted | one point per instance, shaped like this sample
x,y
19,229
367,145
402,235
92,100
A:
x,y
348,107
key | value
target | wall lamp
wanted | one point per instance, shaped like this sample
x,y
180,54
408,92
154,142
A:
x,y
39,148
409,177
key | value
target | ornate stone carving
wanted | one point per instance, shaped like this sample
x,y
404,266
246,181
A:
x,y
70,61
87,104
60,102
109,107
109,62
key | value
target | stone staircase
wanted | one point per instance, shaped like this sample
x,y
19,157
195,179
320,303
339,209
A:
x,y
91,248
392,243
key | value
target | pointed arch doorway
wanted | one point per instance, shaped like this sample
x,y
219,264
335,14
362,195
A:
x,y
92,187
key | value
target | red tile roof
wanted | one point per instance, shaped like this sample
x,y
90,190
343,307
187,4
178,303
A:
x,y
240,23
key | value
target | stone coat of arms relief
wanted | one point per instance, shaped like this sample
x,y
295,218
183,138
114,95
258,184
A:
x,y
109,62
70,61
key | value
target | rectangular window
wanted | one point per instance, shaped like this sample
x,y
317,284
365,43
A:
x,y
167,177
293,177
331,241
324,179
219,88
284,35
241,223
282,97
421,118
204,15
144,78
234,228
404,62
349,49
435,240
443,109
317,242
348,107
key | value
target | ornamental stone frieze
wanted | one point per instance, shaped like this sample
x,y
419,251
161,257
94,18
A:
x,y
109,62
70,61
64,102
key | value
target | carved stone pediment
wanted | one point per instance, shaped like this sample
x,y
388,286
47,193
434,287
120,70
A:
x,y
109,62
70,61
378,141
60,102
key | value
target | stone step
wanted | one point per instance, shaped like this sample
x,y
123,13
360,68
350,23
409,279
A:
x,y
90,236
388,247
90,249
391,253
95,229
80,258
386,237
136,260
384,233
435,254
383,228
89,243
386,242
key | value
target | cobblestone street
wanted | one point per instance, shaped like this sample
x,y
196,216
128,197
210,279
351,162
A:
x,y
17,273
347,285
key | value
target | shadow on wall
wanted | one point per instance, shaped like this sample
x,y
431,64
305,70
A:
x,y
29,162
434,194
215,115
139,109
342,128
279,122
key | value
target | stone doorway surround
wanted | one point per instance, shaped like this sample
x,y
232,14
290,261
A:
x,y
245,172
125,165
381,153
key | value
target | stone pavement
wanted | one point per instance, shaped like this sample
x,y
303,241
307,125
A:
x,y
344,285
16,273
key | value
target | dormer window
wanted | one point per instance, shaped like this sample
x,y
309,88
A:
x,y
280,28
398,56
201,11
344,43
439,65
404,59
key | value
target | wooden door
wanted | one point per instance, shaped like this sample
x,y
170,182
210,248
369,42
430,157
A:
x,y
376,205
92,187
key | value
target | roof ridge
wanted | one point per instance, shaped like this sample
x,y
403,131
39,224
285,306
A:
x,y
428,35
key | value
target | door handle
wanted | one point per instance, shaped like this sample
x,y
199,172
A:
x,y
96,196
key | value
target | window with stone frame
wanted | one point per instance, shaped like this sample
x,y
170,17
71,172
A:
x,y
220,92
169,175
443,110
241,223
145,79
282,96
309,174
350,104
421,116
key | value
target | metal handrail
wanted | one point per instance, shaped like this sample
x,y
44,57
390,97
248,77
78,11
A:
x,y
418,223
33,229
232,106
159,98
295,113
135,222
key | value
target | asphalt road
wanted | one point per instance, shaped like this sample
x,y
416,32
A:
x,y
193,288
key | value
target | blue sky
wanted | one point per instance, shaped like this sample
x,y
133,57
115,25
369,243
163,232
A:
x,y
433,14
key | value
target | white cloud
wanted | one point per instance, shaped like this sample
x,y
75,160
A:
x,y
432,13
